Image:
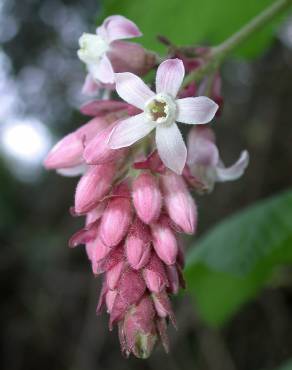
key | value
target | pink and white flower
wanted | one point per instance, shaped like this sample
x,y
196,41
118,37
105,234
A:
x,y
95,49
160,111
135,205
204,162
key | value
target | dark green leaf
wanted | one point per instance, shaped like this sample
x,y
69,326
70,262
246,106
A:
x,y
236,245
229,265
287,366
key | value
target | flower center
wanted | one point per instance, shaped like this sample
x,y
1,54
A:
x,y
161,109
92,48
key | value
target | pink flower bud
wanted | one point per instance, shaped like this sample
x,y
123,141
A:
x,y
137,245
117,216
154,275
146,197
130,57
93,186
68,151
138,332
98,151
179,203
113,275
164,241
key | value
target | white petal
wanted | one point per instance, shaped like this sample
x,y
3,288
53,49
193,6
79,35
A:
x,y
235,171
117,27
73,171
196,110
130,130
169,76
102,71
171,147
132,89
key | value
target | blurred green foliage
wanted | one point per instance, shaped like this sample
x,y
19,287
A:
x,y
287,366
194,21
234,260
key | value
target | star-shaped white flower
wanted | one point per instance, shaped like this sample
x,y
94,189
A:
x,y
160,112
94,48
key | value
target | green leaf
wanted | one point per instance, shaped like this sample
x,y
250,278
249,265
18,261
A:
x,y
194,21
233,261
286,366
236,245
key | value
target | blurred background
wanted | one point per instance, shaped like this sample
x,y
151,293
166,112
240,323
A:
x,y
48,294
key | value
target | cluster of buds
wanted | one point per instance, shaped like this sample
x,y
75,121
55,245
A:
x,y
136,198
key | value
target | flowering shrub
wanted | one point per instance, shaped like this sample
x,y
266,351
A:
x,y
138,175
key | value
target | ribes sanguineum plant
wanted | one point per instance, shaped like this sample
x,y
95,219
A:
x,y
137,174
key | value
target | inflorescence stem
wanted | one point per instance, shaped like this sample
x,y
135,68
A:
x,y
218,53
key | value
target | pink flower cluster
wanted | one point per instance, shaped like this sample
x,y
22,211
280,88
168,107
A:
x,y
136,198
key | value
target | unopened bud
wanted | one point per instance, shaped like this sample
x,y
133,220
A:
x,y
147,197
117,217
137,245
164,241
179,203
138,331
93,186
98,151
154,275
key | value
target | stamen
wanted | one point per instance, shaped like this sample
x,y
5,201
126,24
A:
x,y
161,109
157,109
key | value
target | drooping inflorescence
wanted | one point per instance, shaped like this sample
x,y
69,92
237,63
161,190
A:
x,y
134,189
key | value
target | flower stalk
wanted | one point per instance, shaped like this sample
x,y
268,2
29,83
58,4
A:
x,y
218,54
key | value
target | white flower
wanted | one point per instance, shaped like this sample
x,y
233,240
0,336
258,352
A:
x,y
160,112
95,47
